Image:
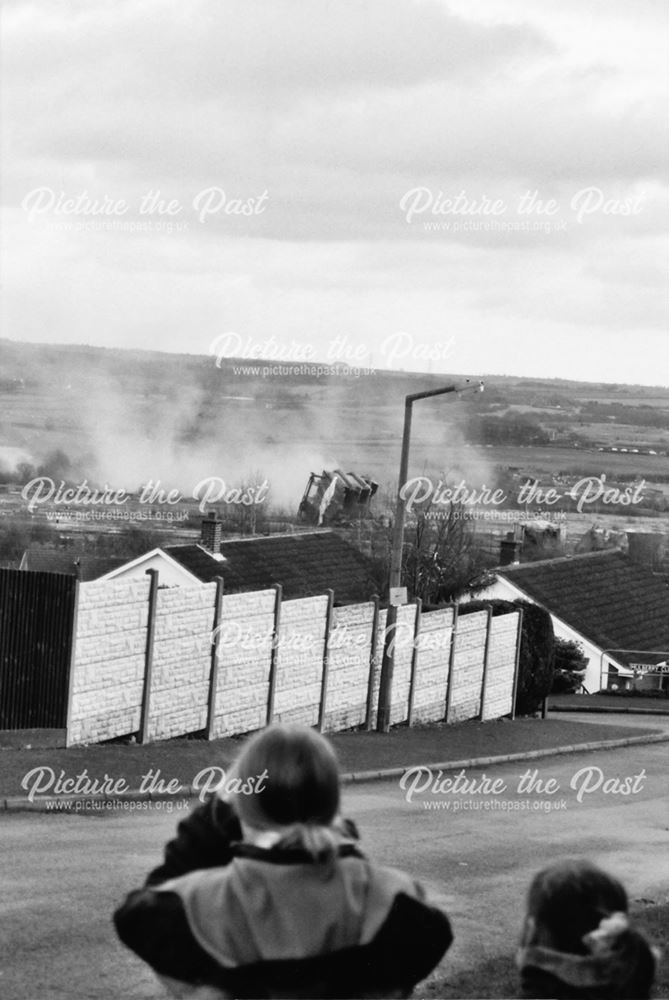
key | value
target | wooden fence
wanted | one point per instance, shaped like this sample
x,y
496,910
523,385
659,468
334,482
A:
x,y
36,641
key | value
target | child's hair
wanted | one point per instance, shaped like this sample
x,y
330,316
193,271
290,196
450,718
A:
x,y
577,909
300,791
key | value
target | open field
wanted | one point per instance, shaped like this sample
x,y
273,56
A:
x,y
577,461
126,417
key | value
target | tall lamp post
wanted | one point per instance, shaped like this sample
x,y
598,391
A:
x,y
388,662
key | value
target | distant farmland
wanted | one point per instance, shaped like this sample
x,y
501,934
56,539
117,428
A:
x,y
125,417
579,461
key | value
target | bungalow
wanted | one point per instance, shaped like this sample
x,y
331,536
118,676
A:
x,y
606,601
305,563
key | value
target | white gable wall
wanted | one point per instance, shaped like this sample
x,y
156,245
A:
x,y
170,573
504,590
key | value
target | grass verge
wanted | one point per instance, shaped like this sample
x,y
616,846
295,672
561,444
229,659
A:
x,y
183,759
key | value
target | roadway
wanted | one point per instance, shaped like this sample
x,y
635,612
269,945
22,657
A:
x,y
61,875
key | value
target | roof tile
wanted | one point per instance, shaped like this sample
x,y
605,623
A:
x,y
611,600
305,564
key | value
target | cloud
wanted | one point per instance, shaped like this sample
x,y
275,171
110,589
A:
x,y
223,86
247,47
336,111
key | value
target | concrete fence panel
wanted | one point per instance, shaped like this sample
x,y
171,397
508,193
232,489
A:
x,y
432,665
467,679
300,660
181,661
245,640
498,693
108,662
349,656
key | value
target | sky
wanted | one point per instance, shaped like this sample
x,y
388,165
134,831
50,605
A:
x,y
470,186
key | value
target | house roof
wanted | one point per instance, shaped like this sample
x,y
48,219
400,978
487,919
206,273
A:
x,y
69,563
304,563
611,600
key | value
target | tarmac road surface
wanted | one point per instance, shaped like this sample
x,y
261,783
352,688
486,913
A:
x,y
61,875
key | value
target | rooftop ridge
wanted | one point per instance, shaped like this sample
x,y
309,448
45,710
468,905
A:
x,y
256,538
561,560
283,534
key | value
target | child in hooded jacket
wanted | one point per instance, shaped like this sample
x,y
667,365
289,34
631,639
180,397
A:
x,y
577,940
267,894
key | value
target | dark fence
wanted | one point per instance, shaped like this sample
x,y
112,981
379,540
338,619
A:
x,y
36,630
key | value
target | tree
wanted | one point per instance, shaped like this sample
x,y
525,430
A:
x,y
510,428
442,558
535,670
570,664
15,539
249,517
23,473
13,543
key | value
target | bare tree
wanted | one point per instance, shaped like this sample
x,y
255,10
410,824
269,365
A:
x,y
249,515
442,556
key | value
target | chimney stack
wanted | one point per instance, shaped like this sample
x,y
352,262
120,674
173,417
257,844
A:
x,y
509,549
646,548
210,538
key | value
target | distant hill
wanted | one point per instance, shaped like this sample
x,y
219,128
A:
x,y
127,416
